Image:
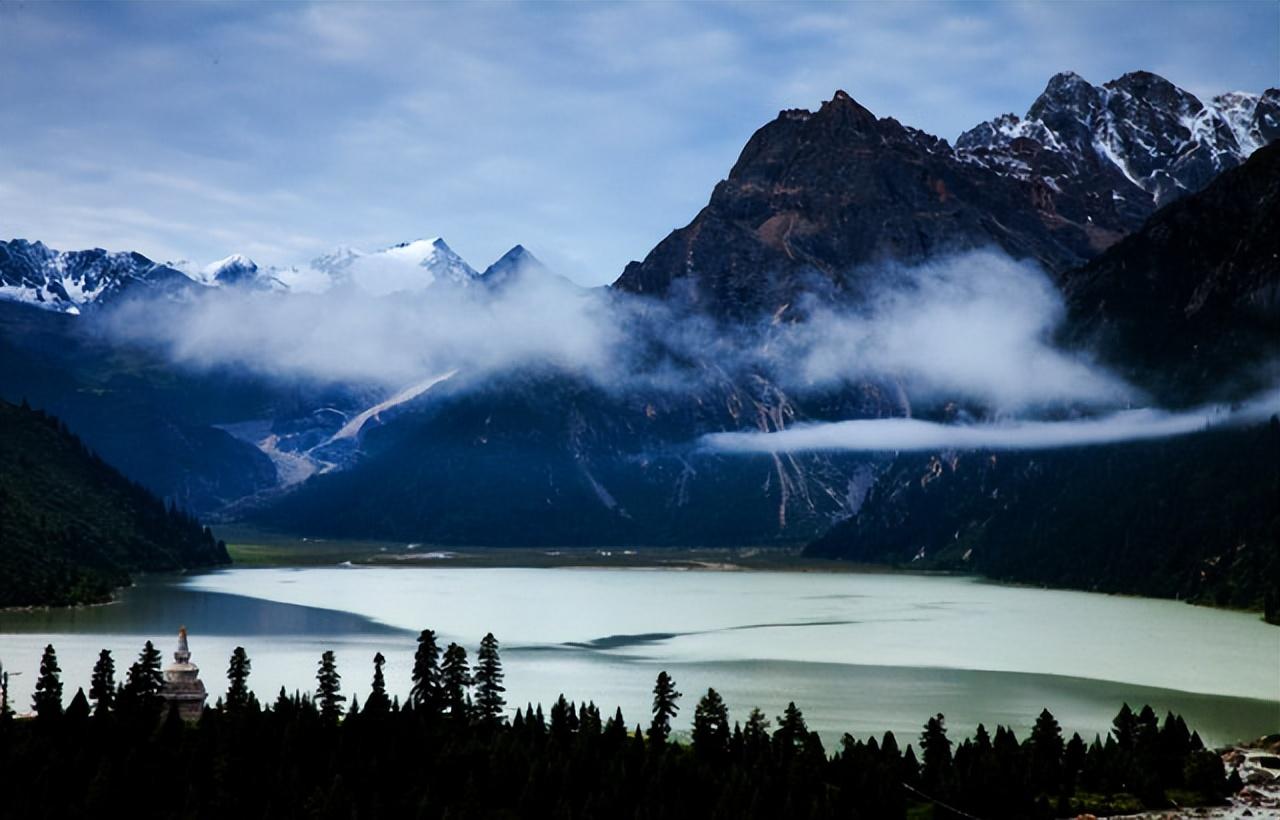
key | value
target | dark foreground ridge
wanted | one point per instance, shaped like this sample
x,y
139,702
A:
x,y
72,528
451,752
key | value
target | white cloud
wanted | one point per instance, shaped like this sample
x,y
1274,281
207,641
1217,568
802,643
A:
x,y
907,435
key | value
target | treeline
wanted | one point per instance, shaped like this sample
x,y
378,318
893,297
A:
x,y
450,751
72,528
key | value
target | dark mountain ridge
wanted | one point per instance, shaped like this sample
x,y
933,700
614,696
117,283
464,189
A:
x,y
72,528
1187,306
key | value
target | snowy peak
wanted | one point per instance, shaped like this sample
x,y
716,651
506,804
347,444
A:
x,y
438,258
406,267
235,270
1143,139
67,281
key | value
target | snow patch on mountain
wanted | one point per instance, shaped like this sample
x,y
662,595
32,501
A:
x,y
67,281
1159,141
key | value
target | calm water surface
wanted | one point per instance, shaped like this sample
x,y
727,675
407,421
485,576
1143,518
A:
x,y
858,653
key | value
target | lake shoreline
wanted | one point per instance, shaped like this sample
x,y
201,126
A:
x,y
251,548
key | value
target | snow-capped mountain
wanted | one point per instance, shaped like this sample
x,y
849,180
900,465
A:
x,y
406,267
66,281
236,269
1142,137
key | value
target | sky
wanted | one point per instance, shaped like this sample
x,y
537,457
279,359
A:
x,y
584,132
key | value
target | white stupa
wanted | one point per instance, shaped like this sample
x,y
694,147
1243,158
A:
x,y
182,684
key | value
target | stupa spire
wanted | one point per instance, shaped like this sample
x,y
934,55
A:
x,y
182,684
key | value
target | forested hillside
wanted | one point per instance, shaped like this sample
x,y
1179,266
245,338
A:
x,y
1196,517
72,528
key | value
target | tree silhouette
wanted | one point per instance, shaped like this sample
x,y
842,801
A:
x,y
428,690
936,749
711,726
377,703
238,679
455,679
664,708
328,689
47,702
488,679
102,683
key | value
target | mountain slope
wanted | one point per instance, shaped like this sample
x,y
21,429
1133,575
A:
x,y
150,419
544,458
1196,517
67,281
1193,299
817,199
71,527
1187,306
1129,145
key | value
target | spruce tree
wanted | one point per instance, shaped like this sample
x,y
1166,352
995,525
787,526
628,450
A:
x,y
756,732
664,708
238,679
149,659
792,730
79,708
936,749
1046,754
328,688
455,679
711,726
6,711
47,701
427,691
378,703
488,678
102,684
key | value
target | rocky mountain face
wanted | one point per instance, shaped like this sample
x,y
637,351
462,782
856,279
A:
x,y
67,281
545,458
1114,153
1187,307
1192,300
817,199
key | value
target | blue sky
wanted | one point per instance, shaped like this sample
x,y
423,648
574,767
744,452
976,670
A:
x,y
585,132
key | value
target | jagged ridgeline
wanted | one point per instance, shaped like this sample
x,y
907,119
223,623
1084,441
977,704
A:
x,y
72,528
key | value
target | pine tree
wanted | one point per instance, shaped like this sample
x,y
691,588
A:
x,y
427,691
936,749
141,691
1124,727
102,684
756,733
664,708
48,697
79,708
6,711
238,680
488,678
455,679
711,726
328,689
378,703
1046,754
792,730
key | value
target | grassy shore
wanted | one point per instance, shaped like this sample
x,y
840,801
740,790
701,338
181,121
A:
x,y
256,548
